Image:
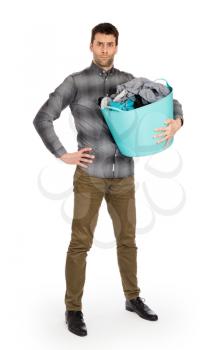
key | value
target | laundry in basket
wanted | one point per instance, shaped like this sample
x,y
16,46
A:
x,y
133,130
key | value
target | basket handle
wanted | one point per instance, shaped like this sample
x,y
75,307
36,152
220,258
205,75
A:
x,y
167,84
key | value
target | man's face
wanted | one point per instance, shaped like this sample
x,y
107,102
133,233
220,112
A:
x,y
104,48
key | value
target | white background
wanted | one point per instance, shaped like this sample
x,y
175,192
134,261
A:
x,y
180,258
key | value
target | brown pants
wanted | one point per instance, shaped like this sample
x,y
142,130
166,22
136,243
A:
x,y
89,192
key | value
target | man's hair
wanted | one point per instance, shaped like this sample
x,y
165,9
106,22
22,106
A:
x,y
105,28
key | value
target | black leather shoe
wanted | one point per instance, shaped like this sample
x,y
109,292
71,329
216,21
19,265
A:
x,y
75,322
137,305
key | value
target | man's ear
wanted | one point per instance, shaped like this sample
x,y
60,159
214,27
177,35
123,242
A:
x,y
90,47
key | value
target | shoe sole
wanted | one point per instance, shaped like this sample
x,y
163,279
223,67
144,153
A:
x,y
131,310
72,331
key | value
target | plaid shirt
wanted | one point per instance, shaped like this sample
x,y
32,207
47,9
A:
x,y
81,92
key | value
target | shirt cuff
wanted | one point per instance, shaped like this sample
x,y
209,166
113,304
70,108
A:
x,y
180,117
60,152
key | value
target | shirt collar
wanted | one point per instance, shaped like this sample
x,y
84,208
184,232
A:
x,y
94,67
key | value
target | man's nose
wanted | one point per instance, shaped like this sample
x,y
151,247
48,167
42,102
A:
x,y
104,48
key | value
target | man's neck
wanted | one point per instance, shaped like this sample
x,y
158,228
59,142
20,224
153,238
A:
x,y
104,68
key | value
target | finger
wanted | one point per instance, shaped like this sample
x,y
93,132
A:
x,y
82,165
85,160
167,142
162,128
165,138
85,149
158,135
88,155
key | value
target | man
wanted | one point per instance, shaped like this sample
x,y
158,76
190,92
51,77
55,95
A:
x,y
101,172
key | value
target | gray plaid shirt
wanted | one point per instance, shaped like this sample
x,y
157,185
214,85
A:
x,y
81,91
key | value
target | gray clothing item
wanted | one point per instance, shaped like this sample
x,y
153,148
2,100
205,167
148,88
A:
x,y
81,91
149,90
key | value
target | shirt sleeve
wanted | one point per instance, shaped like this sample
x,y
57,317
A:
x,y
178,111
50,111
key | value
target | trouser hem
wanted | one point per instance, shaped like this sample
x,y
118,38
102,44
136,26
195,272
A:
x,y
132,296
72,309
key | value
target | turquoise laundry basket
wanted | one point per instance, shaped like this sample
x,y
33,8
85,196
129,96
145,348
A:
x,y
133,130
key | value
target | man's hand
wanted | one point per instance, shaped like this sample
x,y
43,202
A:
x,y
78,157
169,131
